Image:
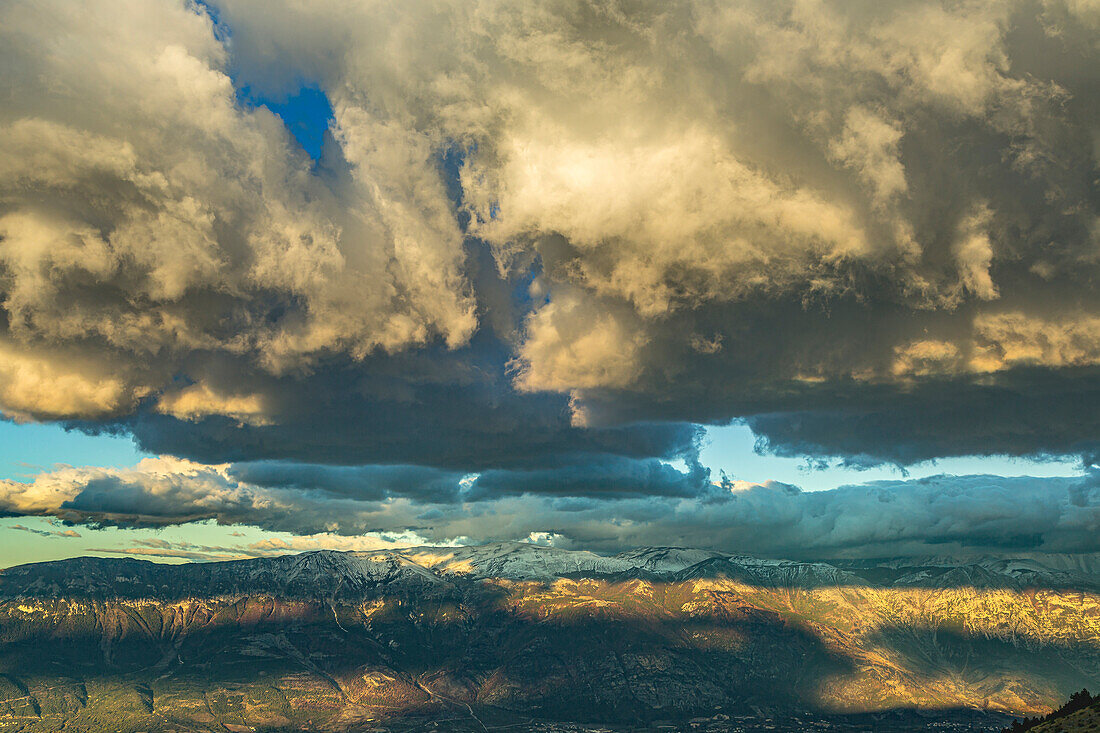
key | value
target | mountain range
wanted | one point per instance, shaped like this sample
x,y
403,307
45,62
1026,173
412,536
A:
x,y
511,634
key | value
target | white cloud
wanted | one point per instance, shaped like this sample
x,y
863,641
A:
x,y
145,213
57,385
199,401
567,347
974,254
869,145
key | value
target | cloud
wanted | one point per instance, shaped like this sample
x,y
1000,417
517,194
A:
x,y
200,554
937,515
307,499
147,213
199,401
569,348
46,532
541,245
51,386
270,547
435,408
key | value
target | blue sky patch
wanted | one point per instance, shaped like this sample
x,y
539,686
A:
x,y
306,113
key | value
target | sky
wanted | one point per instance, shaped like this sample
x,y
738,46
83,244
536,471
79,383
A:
x,y
805,279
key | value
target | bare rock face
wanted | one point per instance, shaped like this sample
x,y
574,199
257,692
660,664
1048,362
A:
x,y
513,632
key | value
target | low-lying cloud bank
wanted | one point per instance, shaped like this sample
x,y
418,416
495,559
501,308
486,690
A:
x,y
937,515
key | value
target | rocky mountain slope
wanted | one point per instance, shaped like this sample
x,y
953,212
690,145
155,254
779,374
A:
x,y
513,632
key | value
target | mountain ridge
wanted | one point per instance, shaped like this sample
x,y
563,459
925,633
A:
x,y
516,632
429,565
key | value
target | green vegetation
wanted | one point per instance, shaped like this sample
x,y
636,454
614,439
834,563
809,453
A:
x,y
1080,713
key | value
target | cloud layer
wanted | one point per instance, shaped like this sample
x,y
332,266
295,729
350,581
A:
x,y
543,244
938,515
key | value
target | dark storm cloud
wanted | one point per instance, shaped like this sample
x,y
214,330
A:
x,y
1026,415
359,482
603,477
595,476
452,409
